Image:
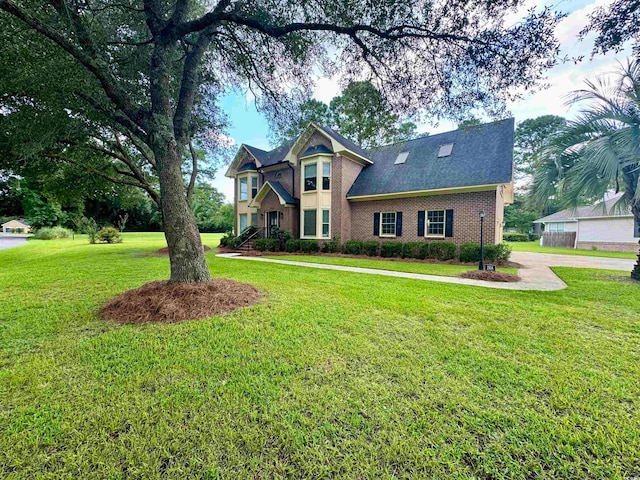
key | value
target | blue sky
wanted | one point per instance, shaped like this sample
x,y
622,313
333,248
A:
x,y
250,127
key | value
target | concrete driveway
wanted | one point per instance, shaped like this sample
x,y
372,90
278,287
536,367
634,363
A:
x,y
12,240
576,261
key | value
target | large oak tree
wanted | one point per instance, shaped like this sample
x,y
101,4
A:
x,y
125,88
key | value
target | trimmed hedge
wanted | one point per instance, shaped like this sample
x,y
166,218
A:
x,y
309,246
353,247
442,250
332,246
470,252
292,245
418,250
516,237
266,244
371,248
534,237
391,249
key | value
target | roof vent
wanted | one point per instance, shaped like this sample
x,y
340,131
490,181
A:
x,y
402,157
445,150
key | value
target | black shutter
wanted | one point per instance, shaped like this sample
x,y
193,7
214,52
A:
x,y
448,231
376,224
398,224
421,223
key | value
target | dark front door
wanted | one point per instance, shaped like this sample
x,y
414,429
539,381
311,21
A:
x,y
273,221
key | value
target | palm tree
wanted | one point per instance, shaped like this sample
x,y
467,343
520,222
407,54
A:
x,y
600,150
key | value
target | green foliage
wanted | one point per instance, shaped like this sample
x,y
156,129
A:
x,y
419,250
109,235
371,248
209,209
599,151
266,244
534,237
292,245
442,250
309,246
360,112
281,236
52,233
228,240
469,252
391,249
516,237
532,137
499,252
333,245
352,247
89,227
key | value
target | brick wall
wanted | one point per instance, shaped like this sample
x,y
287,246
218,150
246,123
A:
x,y
610,246
288,215
466,220
343,175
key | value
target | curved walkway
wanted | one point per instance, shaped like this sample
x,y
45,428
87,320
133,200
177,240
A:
x,y
535,274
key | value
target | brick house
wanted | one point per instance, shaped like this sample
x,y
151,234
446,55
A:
x,y
431,188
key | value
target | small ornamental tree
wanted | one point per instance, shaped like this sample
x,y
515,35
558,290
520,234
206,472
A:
x,y
130,90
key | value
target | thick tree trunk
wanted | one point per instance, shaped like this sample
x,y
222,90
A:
x,y
183,239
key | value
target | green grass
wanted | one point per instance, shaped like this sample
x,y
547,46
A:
x,y
535,247
333,375
442,269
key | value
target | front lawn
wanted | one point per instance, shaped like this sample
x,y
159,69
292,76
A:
x,y
333,375
535,247
443,269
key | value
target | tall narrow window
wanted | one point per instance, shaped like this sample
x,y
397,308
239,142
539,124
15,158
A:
x,y
435,223
254,219
309,223
254,187
388,224
310,177
242,223
326,176
325,223
244,194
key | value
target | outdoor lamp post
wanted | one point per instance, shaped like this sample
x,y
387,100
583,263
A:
x,y
481,264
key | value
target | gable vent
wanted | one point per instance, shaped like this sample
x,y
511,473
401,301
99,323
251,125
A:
x,y
445,150
401,158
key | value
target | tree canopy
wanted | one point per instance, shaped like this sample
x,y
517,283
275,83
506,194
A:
x,y
532,137
126,89
360,113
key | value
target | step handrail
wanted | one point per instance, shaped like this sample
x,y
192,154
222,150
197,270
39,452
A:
x,y
250,237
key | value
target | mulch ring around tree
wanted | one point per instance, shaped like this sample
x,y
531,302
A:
x,y
165,251
490,276
164,302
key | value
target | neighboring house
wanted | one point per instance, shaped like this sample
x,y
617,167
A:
x,y
603,226
16,226
431,188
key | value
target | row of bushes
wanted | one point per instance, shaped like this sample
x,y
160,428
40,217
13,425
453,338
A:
x,y
51,233
520,237
469,252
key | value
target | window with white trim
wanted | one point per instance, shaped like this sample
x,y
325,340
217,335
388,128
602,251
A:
x,y
254,219
325,223
388,224
326,176
555,227
435,223
242,222
244,191
310,177
254,187
309,224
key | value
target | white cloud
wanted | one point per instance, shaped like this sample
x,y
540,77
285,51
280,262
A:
x,y
326,88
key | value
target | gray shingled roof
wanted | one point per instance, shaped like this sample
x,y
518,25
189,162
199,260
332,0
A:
x,y
345,141
609,209
271,157
482,155
280,190
315,150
